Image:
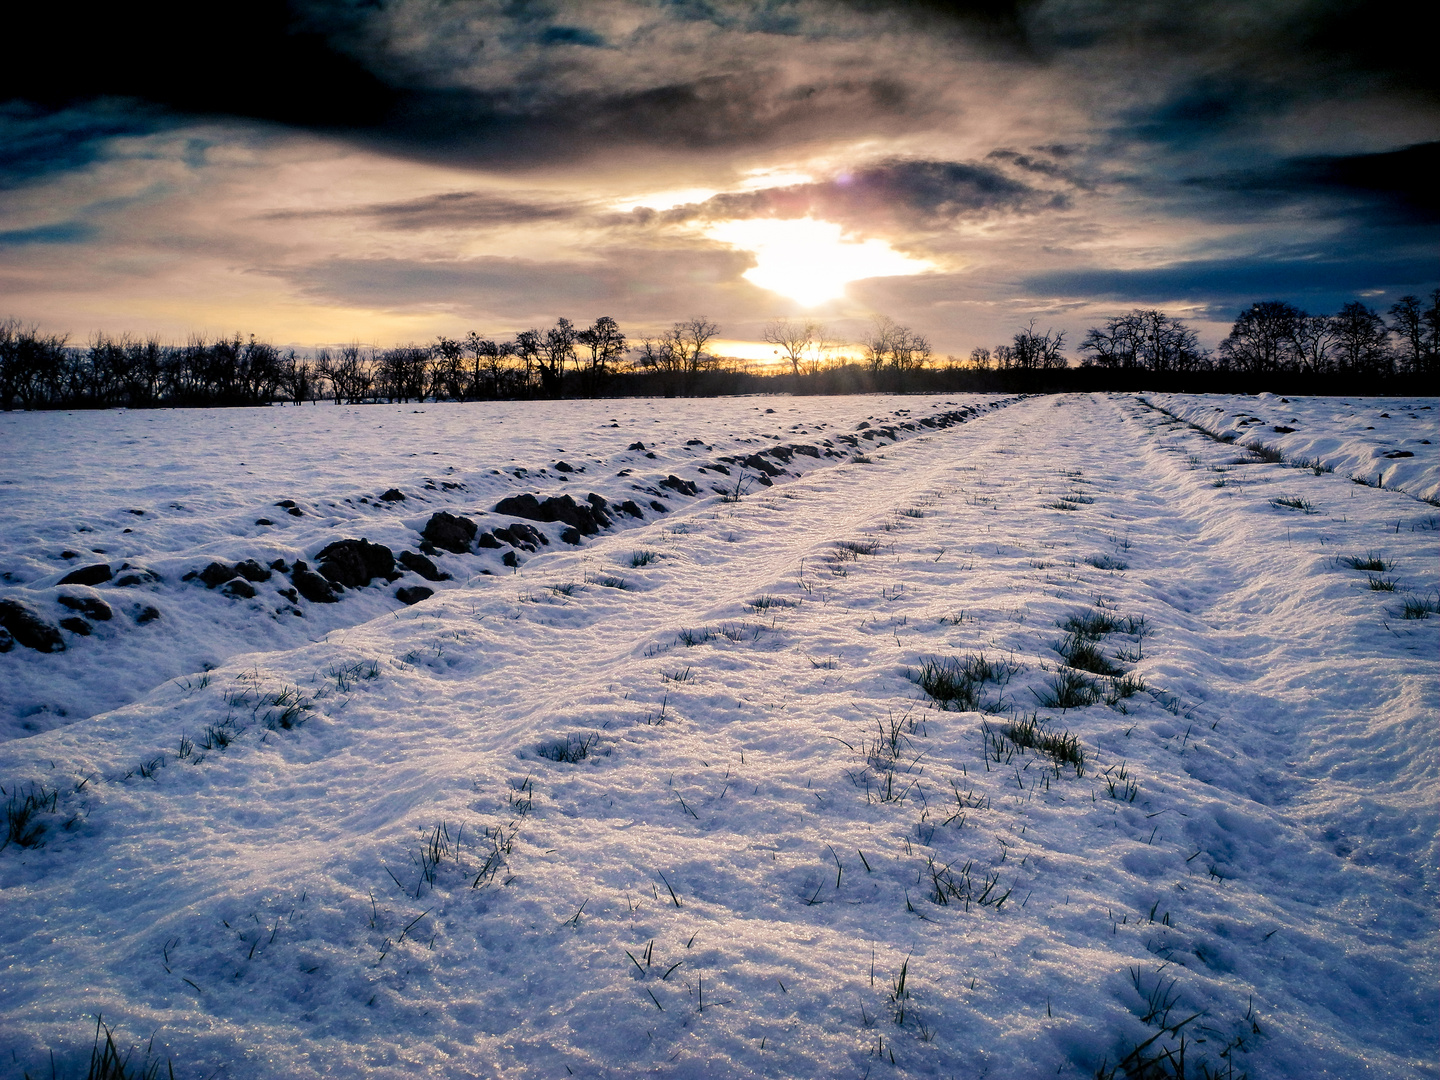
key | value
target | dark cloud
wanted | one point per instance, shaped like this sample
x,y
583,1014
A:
x,y
571,35
507,85
1396,187
64,232
1200,109
449,210
1307,48
1409,174
333,66
924,194
253,59
746,110
36,141
1043,162
1321,284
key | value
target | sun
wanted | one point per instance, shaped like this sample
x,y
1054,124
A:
x,y
807,260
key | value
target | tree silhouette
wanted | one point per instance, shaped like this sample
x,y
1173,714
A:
x,y
1263,338
606,345
791,338
1362,342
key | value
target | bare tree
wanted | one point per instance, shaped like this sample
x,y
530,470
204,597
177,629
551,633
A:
x,y
1314,342
257,371
324,372
1362,341
909,351
351,377
1033,351
658,355
1142,338
557,348
877,342
686,343
1114,345
1263,338
655,354
1431,320
447,369
298,378
1168,344
528,346
606,345
679,354
488,364
792,338
403,372
823,348
1417,330
32,365
1430,327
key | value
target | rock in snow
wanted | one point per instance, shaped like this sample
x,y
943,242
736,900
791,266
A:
x,y
587,520
419,564
310,585
445,530
238,589
90,606
28,628
88,575
354,563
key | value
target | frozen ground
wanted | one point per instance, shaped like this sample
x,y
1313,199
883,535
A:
x,y
169,492
1387,442
776,854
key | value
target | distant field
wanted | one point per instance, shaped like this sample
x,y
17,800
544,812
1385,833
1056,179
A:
x,y
909,736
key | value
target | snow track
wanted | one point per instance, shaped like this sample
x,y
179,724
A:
x,y
770,820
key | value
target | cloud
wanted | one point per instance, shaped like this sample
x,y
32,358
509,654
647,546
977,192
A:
x,y
64,232
1237,282
1395,187
251,60
448,210
644,287
35,142
512,85
895,192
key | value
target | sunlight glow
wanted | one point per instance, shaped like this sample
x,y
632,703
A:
x,y
665,200
807,260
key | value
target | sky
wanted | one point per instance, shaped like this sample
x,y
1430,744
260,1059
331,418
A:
x,y
317,172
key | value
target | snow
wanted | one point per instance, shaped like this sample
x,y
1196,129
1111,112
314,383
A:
x,y
1388,442
755,843
171,491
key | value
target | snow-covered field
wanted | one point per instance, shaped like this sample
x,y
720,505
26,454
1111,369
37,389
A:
x,y
728,790
156,495
1388,442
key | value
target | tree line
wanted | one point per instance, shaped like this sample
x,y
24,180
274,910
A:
x,y
1357,348
40,370
1274,336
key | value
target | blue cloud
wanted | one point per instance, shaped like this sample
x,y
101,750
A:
x,y
571,35
1225,283
63,232
35,142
